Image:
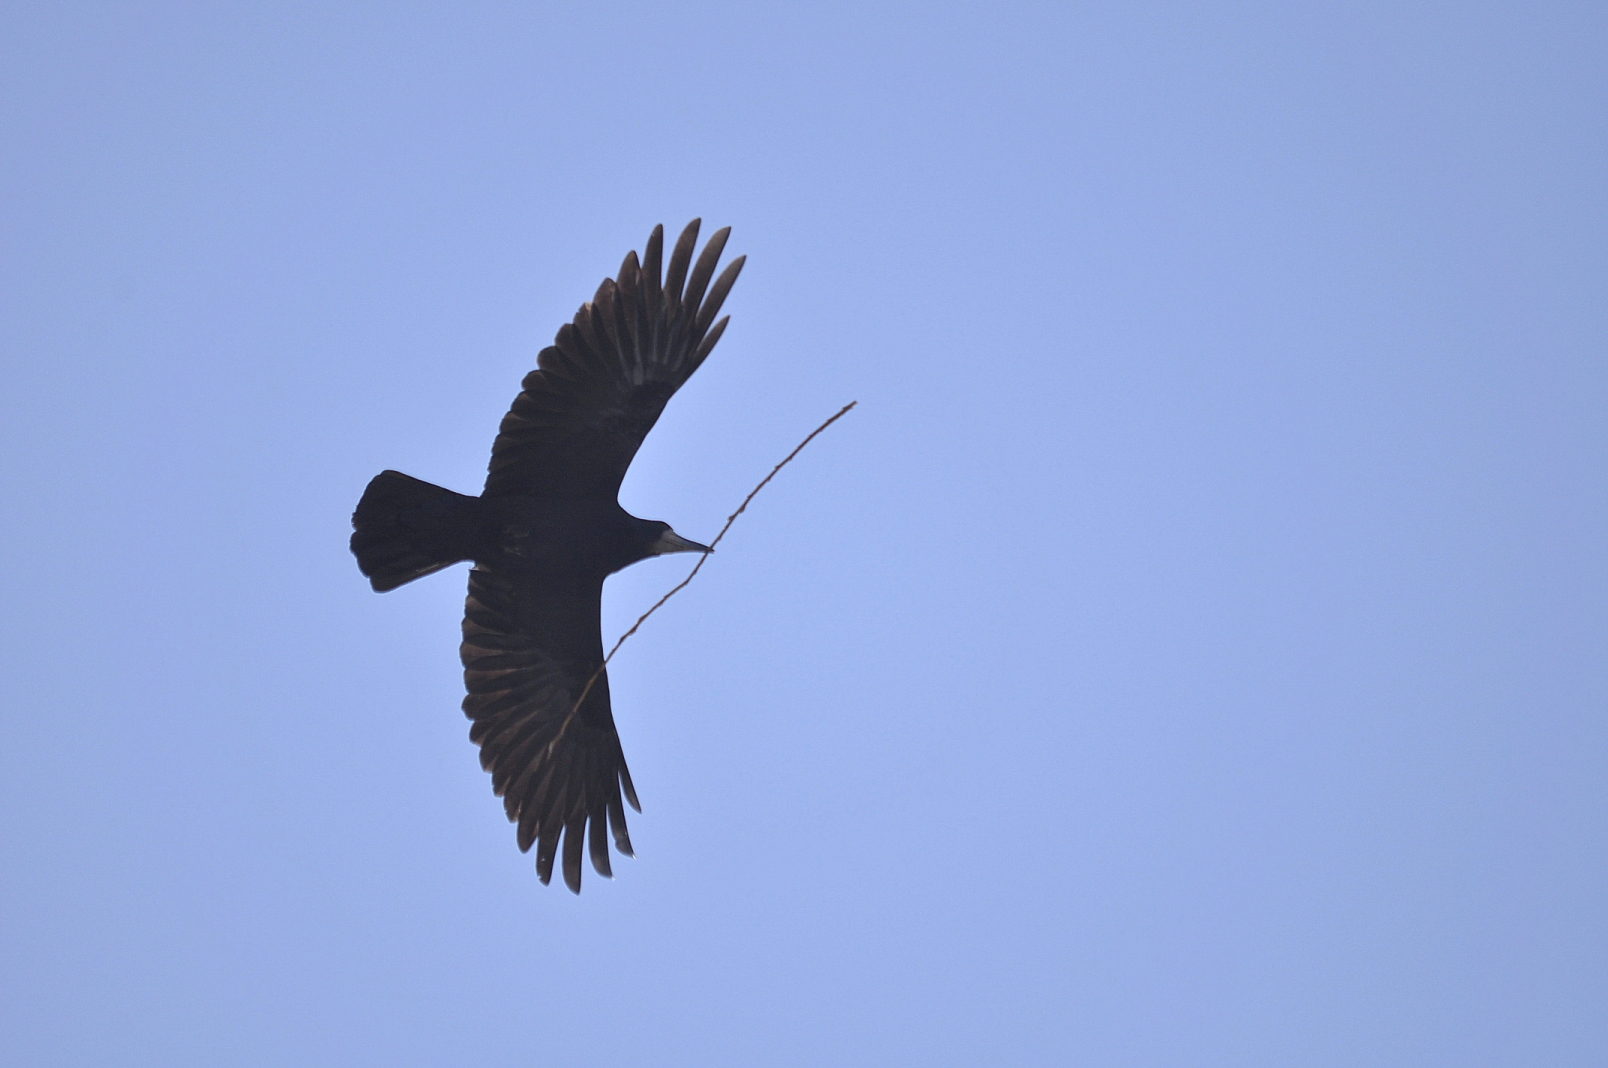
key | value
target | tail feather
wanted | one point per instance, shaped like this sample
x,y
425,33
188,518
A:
x,y
405,528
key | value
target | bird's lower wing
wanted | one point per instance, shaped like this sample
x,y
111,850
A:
x,y
557,768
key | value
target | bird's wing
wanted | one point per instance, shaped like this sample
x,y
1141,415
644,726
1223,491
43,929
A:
x,y
526,662
600,387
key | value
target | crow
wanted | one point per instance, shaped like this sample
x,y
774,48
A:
x,y
544,534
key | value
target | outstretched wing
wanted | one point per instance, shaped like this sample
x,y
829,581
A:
x,y
525,662
600,387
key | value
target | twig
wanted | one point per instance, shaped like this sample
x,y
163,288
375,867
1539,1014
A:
x,y
695,569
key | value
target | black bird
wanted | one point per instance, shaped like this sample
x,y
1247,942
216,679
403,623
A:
x,y
545,533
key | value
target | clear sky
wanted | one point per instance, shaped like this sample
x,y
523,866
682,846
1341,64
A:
x,y
1193,651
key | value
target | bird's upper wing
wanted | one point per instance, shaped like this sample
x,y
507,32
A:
x,y
526,662
599,389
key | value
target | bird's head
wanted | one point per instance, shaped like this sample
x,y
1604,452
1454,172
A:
x,y
660,539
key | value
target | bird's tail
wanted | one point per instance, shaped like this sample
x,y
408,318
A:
x,y
405,528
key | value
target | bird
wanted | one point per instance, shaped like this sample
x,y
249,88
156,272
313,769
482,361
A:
x,y
545,531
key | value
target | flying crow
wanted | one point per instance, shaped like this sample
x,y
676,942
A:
x,y
544,534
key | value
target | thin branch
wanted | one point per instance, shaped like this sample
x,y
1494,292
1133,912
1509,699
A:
x,y
695,569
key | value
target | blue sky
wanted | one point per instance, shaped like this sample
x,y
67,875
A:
x,y
1191,651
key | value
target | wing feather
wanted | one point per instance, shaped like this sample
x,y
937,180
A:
x,y
597,839
705,268
680,257
574,835
622,837
557,769
599,388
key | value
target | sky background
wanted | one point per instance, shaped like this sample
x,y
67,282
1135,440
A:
x,y
1193,651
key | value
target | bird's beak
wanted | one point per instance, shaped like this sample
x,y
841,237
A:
x,y
671,542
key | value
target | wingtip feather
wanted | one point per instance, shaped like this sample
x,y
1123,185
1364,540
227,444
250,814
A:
x,y
630,790
680,259
705,268
717,295
652,264
574,842
598,840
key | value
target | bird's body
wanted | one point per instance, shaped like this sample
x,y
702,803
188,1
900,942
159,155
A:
x,y
545,533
